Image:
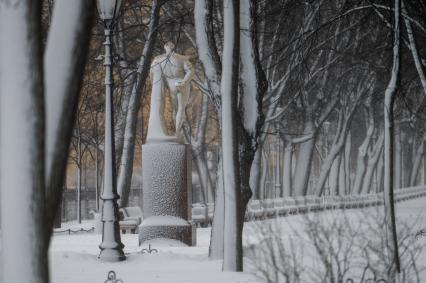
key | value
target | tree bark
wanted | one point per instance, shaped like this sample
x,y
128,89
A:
x,y
255,173
417,160
342,190
397,163
372,165
288,155
334,175
348,148
304,160
363,152
199,152
127,156
389,149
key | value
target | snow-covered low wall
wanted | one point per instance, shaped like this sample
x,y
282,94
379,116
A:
x,y
270,208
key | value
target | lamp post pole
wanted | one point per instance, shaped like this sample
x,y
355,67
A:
x,y
111,246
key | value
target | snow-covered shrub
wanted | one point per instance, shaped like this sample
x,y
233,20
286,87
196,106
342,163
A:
x,y
332,247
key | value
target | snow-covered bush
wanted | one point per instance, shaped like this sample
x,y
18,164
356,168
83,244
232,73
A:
x,y
330,247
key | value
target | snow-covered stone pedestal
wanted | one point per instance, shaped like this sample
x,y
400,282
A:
x,y
167,198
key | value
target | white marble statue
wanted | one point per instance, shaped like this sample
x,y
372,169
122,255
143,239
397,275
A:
x,y
175,72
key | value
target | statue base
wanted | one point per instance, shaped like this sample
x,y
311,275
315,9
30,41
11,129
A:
x,y
167,198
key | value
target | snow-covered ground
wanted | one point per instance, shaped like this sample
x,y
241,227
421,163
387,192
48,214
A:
x,y
73,257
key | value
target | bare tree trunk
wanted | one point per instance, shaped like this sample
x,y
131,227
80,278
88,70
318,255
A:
x,y
255,173
336,149
304,161
199,151
334,175
342,190
397,163
288,155
78,200
414,51
127,85
380,173
127,156
389,150
348,148
264,174
423,171
363,152
372,165
417,161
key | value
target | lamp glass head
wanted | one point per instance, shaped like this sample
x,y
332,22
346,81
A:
x,y
108,9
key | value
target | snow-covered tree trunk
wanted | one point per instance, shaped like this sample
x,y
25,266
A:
x,y
423,171
255,173
342,190
22,118
36,124
334,175
363,152
127,77
64,62
389,148
217,233
336,148
407,158
287,169
304,160
414,51
397,163
380,172
78,189
210,59
199,151
263,174
372,165
417,161
348,148
127,156
207,50
233,250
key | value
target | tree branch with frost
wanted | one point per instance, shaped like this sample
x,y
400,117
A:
x,y
207,48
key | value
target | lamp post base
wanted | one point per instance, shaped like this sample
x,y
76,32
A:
x,y
111,255
111,246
